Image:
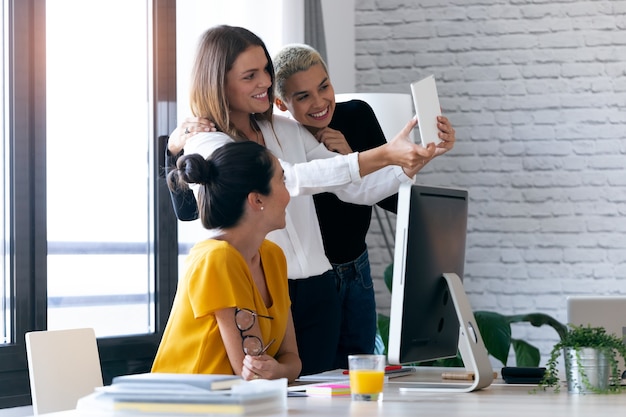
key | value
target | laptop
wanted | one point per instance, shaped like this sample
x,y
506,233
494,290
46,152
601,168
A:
x,y
607,311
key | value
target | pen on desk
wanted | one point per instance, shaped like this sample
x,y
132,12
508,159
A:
x,y
466,376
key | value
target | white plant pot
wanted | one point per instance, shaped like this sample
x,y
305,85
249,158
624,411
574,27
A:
x,y
587,370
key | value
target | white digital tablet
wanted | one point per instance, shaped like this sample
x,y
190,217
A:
x,y
427,108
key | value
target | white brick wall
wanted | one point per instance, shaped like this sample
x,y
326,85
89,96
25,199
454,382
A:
x,y
537,93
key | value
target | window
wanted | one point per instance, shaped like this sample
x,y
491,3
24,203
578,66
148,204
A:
x,y
98,184
90,236
5,289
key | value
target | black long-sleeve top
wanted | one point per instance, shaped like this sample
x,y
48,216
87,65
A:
x,y
344,225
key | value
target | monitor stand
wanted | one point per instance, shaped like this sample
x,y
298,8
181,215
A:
x,y
471,347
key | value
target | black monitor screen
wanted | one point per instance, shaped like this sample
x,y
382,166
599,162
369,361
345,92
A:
x,y
431,233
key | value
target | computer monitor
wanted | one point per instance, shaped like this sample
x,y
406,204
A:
x,y
430,314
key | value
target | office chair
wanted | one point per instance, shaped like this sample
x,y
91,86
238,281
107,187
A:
x,y
63,366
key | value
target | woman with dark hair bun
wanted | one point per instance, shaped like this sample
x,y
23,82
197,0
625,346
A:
x,y
223,186
231,313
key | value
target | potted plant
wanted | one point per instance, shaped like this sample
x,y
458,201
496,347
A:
x,y
591,361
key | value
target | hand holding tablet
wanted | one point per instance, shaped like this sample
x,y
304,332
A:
x,y
427,108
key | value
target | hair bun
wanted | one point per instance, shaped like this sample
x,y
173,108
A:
x,y
194,169
209,174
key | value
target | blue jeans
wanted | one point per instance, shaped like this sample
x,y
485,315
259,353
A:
x,y
358,309
315,308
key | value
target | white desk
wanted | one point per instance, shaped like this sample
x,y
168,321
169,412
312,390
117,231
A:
x,y
499,399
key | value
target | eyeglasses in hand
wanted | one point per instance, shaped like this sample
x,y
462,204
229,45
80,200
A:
x,y
251,345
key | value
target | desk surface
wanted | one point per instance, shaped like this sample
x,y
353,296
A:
x,y
496,400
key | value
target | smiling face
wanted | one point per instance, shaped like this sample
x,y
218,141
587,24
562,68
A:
x,y
247,84
310,97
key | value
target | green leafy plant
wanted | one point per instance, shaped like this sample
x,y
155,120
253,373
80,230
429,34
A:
x,y
495,329
578,337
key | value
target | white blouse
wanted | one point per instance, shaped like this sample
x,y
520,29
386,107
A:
x,y
310,168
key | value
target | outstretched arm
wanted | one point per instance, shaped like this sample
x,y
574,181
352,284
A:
x,y
399,151
448,138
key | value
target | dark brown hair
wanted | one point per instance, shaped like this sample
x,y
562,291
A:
x,y
225,178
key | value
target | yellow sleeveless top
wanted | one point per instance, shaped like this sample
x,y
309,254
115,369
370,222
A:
x,y
217,277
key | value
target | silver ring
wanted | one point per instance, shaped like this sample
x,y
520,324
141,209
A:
x,y
187,131
256,376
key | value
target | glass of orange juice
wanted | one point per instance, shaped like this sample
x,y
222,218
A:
x,y
367,377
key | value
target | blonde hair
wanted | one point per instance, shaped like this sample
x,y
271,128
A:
x,y
292,59
217,51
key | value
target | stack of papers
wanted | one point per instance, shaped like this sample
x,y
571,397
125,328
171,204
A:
x,y
207,382
186,394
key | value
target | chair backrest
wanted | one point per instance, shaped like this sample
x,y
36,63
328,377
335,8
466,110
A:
x,y
63,366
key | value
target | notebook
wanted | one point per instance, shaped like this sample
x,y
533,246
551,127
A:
x,y
210,382
607,311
